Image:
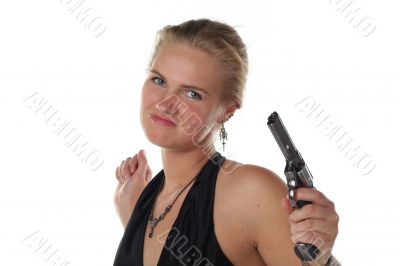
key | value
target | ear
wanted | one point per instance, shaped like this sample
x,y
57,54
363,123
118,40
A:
x,y
228,111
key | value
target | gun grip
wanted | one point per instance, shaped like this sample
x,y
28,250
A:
x,y
301,203
306,251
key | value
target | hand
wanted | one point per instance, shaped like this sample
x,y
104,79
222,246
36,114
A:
x,y
315,223
133,175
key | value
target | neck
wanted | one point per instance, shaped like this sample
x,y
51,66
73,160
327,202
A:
x,y
180,167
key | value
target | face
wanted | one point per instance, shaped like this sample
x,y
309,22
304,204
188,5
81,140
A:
x,y
184,86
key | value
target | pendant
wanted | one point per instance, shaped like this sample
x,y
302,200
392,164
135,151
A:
x,y
153,223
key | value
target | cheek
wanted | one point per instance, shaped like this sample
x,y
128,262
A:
x,y
145,93
146,103
193,118
149,96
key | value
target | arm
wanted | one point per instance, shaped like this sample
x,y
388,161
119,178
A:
x,y
275,228
133,175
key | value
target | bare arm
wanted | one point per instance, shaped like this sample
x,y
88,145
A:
x,y
133,175
275,227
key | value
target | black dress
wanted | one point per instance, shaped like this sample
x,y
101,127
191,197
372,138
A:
x,y
191,240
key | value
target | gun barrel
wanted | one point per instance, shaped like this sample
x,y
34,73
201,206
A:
x,y
282,137
297,175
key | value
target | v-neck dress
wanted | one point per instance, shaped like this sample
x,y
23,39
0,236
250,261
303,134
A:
x,y
191,240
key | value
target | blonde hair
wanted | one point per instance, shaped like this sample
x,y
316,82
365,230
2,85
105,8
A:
x,y
220,41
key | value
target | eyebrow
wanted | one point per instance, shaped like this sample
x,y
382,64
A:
x,y
190,86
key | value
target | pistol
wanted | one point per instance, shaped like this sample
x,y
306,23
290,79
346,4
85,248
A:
x,y
297,175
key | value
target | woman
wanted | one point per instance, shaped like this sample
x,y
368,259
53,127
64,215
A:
x,y
203,209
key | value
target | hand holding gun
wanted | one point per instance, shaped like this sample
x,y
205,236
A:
x,y
297,175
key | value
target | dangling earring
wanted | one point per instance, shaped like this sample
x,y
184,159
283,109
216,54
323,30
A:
x,y
223,135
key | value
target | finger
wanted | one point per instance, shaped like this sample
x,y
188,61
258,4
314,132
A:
x,y
117,175
319,240
133,163
142,164
309,211
287,208
149,173
313,195
125,168
316,225
120,173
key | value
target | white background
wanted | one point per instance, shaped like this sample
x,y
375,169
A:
x,y
297,49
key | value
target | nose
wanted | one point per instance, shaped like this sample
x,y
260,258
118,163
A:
x,y
168,104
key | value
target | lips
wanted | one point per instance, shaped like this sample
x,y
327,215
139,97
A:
x,y
162,120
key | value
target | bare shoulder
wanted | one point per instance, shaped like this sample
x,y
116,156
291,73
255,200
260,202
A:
x,y
249,190
248,203
250,179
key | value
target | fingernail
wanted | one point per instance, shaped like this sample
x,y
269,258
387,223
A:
x,y
143,153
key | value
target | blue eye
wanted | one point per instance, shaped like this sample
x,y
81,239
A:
x,y
156,78
193,94
197,96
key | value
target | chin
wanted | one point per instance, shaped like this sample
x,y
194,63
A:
x,y
171,137
173,140
161,136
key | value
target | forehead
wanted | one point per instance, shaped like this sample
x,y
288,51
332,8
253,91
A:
x,y
181,64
